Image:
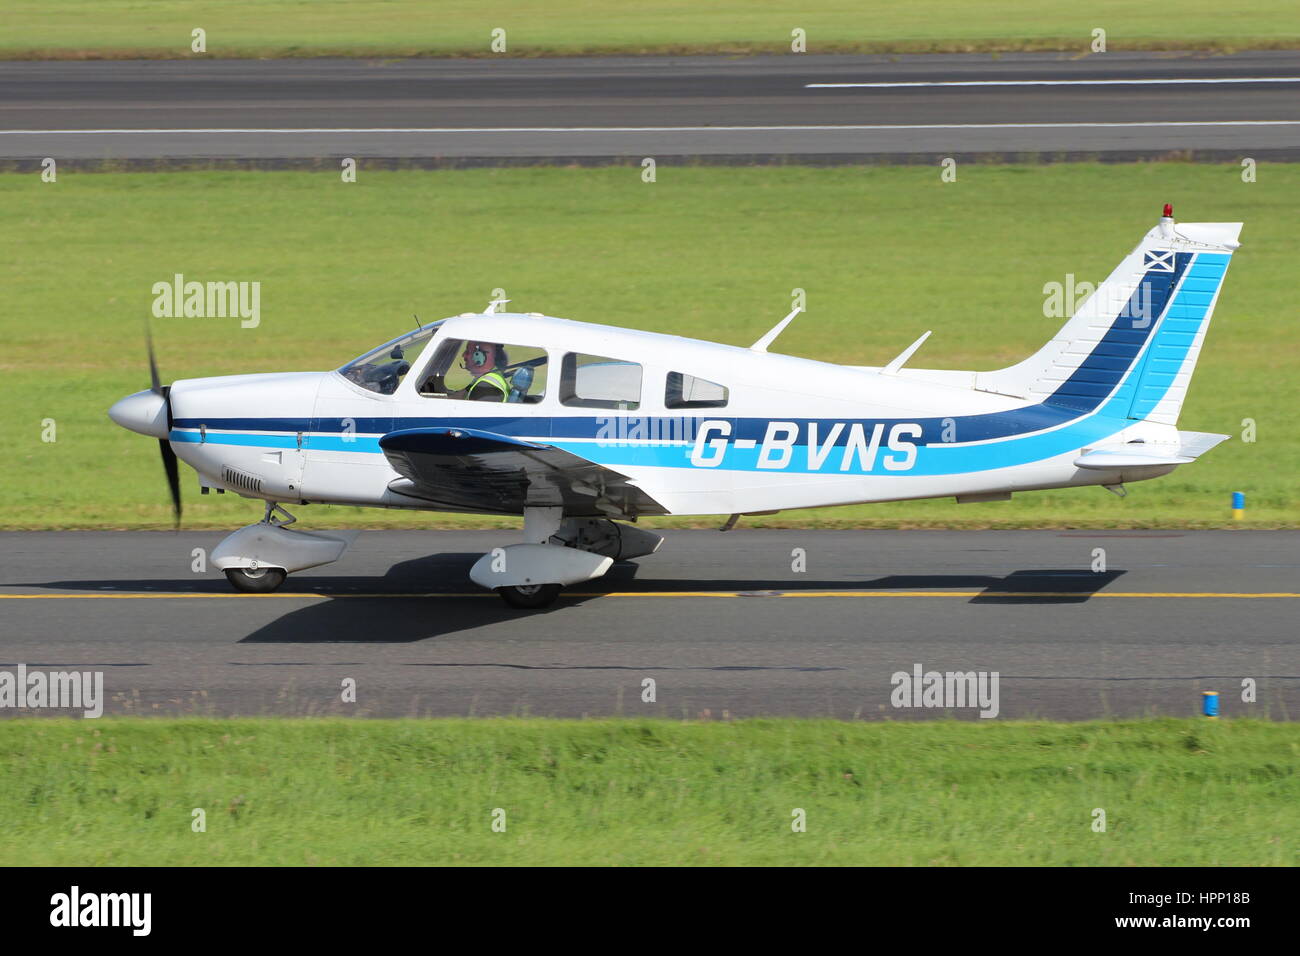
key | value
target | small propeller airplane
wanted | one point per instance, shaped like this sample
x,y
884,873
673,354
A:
x,y
583,429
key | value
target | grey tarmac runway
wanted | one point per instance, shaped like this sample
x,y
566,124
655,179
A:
x,y
672,108
723,624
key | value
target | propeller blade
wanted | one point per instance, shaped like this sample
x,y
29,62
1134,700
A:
x,y
173,476
155,384
170,465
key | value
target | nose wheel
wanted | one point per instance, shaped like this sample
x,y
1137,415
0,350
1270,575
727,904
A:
x,y
530,596
256,580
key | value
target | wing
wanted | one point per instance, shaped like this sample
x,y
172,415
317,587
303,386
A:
x,y
464,469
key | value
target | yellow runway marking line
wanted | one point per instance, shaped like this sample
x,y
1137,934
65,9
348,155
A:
x,y
930,594
144,595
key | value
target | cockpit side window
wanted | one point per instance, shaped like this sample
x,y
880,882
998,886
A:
x,y
382,370
594,381
688,391
486,372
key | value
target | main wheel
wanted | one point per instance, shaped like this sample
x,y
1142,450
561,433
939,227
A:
x,y
530,596
256,580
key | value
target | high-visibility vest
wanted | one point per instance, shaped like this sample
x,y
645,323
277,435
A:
x,y
495,379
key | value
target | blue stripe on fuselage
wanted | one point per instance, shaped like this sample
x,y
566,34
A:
x,y
623,426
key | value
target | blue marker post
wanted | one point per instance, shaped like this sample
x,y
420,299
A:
x,y
1238,506
1210,704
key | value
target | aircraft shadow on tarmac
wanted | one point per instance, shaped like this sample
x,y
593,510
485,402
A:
x,y
402,606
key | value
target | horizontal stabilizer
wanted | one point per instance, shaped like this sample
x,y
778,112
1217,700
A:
x,y
1106,459
1192,445
1196,444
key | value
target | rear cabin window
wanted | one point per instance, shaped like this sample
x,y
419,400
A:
x,y
596,381
688,391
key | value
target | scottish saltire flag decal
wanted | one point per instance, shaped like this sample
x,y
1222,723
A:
x,y
1158,261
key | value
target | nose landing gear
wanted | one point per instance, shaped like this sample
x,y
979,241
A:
x,y
256,580
256,559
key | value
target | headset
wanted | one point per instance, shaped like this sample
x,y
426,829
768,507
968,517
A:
x,y
478,360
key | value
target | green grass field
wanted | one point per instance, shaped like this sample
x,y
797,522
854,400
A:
x,y
884,253
162,28
122,792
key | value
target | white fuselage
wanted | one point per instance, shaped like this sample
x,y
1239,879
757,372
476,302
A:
x,y
794,433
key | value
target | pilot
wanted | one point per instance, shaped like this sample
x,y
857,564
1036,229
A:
x,y
483,360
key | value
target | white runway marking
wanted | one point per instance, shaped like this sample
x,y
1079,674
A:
x,y
1133,82
656,129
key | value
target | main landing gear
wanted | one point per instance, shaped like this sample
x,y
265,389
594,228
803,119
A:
x,y
558,552
530,597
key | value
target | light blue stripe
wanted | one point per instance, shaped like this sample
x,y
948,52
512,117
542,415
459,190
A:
x,y
239,438
362,444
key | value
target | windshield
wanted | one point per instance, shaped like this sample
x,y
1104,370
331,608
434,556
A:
x,y
382,369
